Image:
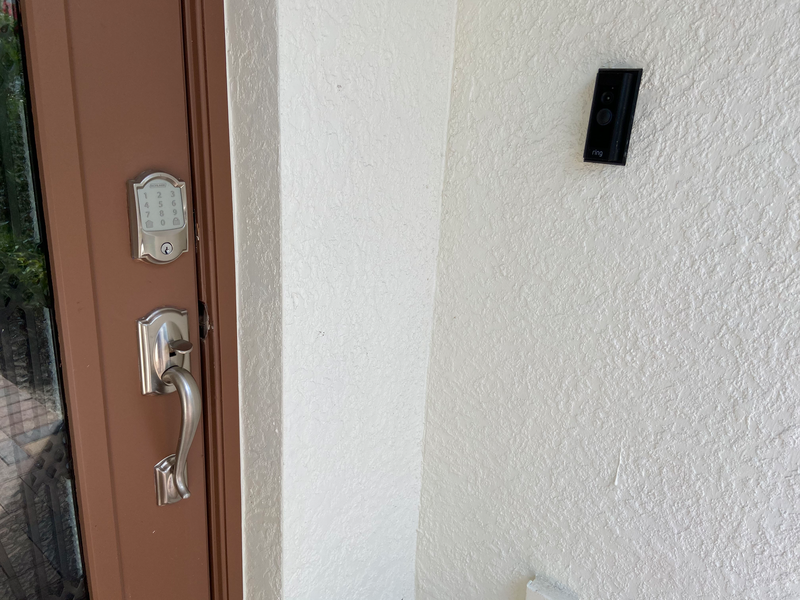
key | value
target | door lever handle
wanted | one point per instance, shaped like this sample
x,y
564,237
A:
x,y
191,407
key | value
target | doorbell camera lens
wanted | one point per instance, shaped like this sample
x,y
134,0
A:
x,y
607,98
604,116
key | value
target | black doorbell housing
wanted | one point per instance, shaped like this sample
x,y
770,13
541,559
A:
x,y
611,118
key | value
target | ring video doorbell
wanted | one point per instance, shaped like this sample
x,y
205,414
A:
x,y
611,117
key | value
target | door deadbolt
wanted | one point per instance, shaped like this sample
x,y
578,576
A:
x,y
158,217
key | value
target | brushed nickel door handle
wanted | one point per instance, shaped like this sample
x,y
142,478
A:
x,y
191,408
164,362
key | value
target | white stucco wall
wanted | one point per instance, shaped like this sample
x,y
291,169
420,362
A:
x,y
251,34
614,385
338,117
364,97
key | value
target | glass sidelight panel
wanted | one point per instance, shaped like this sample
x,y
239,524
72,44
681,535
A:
x,y
39,545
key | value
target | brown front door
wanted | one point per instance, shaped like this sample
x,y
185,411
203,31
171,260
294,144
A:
x,y
105,97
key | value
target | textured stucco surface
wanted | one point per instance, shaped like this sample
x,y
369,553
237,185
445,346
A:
x,y
364,92
339,114
254,124
614,385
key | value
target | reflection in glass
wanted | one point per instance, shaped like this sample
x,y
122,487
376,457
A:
x,y
39,546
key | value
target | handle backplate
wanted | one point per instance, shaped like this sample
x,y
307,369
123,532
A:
x,y
156,331
166,484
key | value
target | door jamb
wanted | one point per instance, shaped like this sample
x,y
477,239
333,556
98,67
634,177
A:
x,y
207,97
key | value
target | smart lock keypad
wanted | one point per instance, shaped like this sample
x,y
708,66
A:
x,y
157,210
160,206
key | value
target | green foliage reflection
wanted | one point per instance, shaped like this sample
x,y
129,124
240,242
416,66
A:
x,y
23,278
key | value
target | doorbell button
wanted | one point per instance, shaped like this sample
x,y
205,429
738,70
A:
x,y
604,116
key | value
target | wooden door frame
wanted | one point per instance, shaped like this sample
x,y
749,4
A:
x,y
60,175
207,92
